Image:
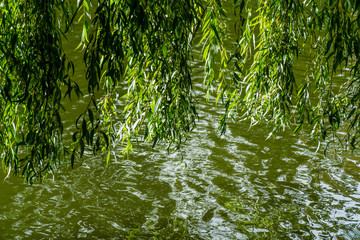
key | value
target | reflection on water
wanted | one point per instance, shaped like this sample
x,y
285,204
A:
x,y
234,186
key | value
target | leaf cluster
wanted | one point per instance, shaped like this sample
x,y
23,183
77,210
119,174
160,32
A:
x,y
146,48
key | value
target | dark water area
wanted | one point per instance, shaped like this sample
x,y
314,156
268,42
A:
x,y
235,186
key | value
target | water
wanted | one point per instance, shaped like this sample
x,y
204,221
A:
x,y
236,186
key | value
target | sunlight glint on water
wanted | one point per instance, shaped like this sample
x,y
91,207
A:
x,y
234,186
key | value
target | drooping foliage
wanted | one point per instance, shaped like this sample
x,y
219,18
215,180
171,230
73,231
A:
x,y
326,98
33,69
145,47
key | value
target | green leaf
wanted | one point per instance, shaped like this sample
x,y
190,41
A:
x,y
108,157
297,129
216,32
84,34
77,120
74,136
84,128
91,116
106,138
164,49
86,6
82,147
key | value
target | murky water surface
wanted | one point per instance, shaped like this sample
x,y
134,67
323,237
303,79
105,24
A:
x,y
237,186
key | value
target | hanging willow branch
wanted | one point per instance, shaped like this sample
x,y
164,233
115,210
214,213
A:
x,y
147,46
73,17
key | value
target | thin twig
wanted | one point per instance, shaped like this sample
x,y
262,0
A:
x,y
198,25
72,19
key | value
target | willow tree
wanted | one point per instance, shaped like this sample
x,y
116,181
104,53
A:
x,y
147,45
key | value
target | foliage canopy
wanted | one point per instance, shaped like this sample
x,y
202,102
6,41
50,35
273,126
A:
x,y
148,46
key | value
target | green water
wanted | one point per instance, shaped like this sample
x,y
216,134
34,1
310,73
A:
x,y
237,186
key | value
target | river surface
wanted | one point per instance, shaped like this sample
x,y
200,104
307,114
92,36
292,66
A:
x,y
236,186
